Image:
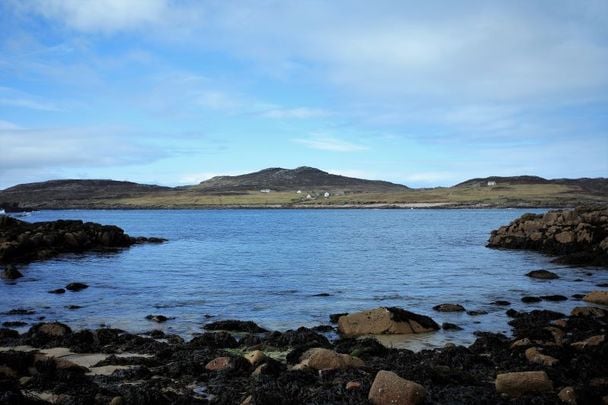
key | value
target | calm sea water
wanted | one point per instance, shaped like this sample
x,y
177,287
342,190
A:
x,y
269,266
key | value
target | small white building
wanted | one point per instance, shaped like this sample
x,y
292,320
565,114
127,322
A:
x,y
308,197
326,195
265,190
491,183
299,192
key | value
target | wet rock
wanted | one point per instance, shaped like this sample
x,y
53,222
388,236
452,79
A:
x,y
75,287
449,308
385,321
511,313
322,295
593,312
450,326
567,396
389,388
157,318
20,311
72,307
521,383
542,275
597,297
333,318
603,285
219,363
11,273
529,299
578,296
320,359
220,340
57,291
477,313
535,356
8,334
235,326
555,297
501,303
323,328
296,338
53,329
362,348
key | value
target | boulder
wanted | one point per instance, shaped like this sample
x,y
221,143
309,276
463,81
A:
x,y
54,329
529,300
555,297
219,363
542,275
597,297
76,287
157,318
593,312
521,383
450,326
11,273
535,356
389,388
255,357
449,308
593,341
383,320
353,386
57,291
320,359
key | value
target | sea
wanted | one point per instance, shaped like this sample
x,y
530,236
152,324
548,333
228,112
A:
x,y
286,268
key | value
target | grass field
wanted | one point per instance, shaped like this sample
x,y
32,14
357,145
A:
x,y
505,195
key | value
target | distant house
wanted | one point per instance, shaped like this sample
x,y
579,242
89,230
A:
x,y
308,197
299,192
326,195
491,183
265,190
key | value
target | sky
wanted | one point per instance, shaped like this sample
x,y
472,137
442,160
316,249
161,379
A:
x,y
425,94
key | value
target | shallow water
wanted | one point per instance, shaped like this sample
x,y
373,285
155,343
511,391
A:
x,y
269,265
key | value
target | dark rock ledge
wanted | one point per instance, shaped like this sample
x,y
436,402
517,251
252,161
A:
x,y
578,237
551,356
22,242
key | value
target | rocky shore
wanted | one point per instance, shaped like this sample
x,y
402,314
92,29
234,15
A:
x,y
578,236
551,358
22,242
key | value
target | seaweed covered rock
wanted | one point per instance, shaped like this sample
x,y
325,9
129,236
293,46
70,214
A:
x,y
578,236
385,321
22,241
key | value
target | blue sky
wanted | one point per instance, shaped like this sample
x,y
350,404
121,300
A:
x,y
174,92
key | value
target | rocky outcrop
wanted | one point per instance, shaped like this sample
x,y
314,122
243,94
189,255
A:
x,y
24,242
578,236
385,321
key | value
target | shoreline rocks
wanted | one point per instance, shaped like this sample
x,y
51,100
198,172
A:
x,y
550,356
578,236
23,242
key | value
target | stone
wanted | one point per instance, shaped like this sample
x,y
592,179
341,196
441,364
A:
x,y
542,275
75,287
592,341
597,297
450,326
11,273
233,325
555,297
385,321
524,382
567,396
449,308
54,329
389,388
529,300
593,312
533,355
477,313
353,386
565,237
320,359
219,363
525,342
117,401
501,303
157,318
255,357
57,291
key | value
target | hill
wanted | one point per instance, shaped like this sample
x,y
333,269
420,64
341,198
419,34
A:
x,y
303,178
597,186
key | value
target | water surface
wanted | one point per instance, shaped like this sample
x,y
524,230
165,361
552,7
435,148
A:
x,y
270,266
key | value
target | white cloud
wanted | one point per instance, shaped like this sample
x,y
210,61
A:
x,y
329,144
15,98
297,113
103,15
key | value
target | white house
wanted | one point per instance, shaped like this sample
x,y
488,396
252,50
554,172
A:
x,y
326,195
265,190
491,183
308,197
299,192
